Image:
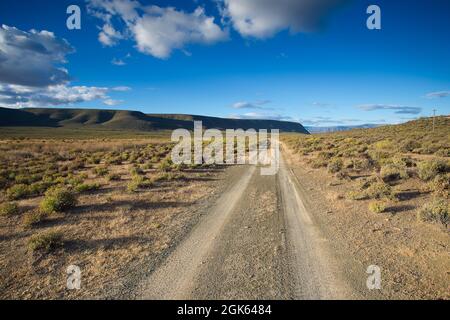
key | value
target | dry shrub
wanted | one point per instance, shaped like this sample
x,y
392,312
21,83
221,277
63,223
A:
x,y
438,210
45,241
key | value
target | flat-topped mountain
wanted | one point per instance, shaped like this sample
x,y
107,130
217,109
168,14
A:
x,y
130,120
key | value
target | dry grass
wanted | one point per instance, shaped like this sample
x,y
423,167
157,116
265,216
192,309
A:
x,y
77,190
392,163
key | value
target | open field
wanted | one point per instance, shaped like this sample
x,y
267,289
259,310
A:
x,y
104,205
383,196
23,133
138,226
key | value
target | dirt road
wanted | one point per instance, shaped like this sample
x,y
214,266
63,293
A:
x,y
256,242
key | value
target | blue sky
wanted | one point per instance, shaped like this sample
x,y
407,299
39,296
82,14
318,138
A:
x,y
326,70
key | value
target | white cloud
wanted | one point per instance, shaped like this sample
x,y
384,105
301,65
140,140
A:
x,y
13,96
30,75
157,31
109,36
397,108
263,116
121,88
321,104
439,94
111,102
118,62
265,18
32,58
251,105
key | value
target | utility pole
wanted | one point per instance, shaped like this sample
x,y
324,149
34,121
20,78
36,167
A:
x,y
434,118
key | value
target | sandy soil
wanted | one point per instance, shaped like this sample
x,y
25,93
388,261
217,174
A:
x,y
258,241
413,256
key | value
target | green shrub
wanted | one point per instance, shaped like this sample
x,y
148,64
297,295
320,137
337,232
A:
x,y
113,177
165,165
84,187
436,211
138,182
361,164
76,165
318,163
392,172
39,188
45,241
136,171
440,185
335,165
17,191
443,152
427,170
342,175
33,218
356,195
58,199
168,176
100,171
3,182
9,209
409,145
384,145
377,207
380,190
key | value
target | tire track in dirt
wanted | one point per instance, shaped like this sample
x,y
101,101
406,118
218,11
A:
x,y
174,277
257,241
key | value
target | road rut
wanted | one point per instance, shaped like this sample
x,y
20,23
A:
x,y
256,242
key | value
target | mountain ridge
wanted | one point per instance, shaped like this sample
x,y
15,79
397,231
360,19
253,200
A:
x,y
131,120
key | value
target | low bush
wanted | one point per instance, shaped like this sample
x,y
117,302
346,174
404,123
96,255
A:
x,y
138,182
113,177
409,145
100,171
443,152
380,190
58,199
84,187
136,171
356,195
392,172
33,218
438,210
45,241
9,209
39,188
377,207
440,185
165,165
427,170
17,191
335,165
318,163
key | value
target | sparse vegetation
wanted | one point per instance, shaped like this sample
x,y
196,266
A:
x,y
33,218
58,199
428,170
9,209
335,165
393,172
84,187
377,207
18,191
45,241
438,210
385,164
